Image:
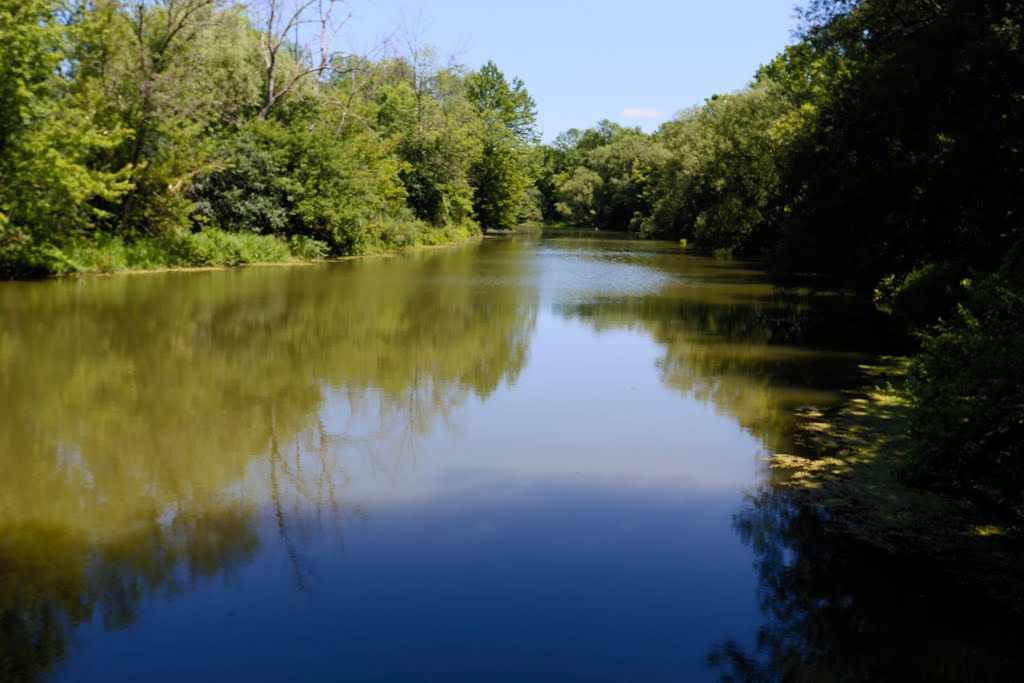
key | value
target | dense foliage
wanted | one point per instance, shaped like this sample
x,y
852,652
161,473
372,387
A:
x,y
180,132
881,153
967,387
882,149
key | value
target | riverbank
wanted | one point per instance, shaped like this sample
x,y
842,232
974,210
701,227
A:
x,y
852,477
205,250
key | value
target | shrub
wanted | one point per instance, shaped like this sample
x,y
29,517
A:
x,y
401,234
929,292
219,248
967,399
32,261
307,248
249,193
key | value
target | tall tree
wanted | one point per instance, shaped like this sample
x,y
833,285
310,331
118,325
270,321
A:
x,y
436,130
173,70
48,130
504,171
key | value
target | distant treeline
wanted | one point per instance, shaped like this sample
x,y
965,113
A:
x,y
183,132
881,153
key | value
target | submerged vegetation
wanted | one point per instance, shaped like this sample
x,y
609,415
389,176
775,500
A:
x,y
861,466
197,132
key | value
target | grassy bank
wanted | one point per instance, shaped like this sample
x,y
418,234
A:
x,y
209,248
857,477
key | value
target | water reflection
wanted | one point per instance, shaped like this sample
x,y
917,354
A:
x,y
503,461
138,392
836,609
732,340
52,580
144,420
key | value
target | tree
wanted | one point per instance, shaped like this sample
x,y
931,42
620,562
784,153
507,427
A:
x,y
172,72
578,195
916,155
603,175
287,63
425,113
504,171
48,137
721,186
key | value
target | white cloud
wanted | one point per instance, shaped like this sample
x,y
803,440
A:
x,y
641,114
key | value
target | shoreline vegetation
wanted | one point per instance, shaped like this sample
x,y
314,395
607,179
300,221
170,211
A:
x,y
856,472
192,133
115,257
221,250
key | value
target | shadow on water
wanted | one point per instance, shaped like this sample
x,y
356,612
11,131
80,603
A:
x,y
839,609
834,608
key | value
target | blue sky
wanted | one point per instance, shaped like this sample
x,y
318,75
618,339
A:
x,y
636,63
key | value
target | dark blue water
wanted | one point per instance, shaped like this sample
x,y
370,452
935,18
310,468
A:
x,y
551,583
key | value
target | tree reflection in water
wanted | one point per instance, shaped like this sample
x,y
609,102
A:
x,y
834,609
52,580
732,340
146,423
837,609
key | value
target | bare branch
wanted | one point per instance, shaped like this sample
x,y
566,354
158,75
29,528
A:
x,y
279,23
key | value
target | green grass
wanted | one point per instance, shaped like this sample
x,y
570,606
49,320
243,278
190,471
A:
x,y
211,247
408,234
206,248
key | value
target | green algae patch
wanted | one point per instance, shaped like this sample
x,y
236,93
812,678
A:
x,y
851,471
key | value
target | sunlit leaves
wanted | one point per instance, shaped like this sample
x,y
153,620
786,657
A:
x,y
504,172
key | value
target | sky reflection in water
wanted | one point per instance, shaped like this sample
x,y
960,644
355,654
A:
x,y
510,461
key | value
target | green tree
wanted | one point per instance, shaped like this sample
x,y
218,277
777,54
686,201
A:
x,y
425,114
720,185
601,176
916,152
49,134
578,194
625,164
504,171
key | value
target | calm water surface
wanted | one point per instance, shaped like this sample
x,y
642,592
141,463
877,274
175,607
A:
x,y
521,460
